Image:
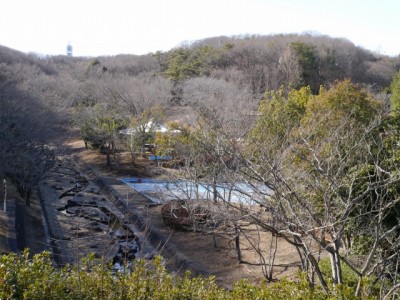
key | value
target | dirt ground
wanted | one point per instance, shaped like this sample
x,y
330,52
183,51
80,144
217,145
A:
x,y
205,254
199,252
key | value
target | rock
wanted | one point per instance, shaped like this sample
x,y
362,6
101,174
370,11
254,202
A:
x,y
95,214
97,227
82,233
73,210
81,202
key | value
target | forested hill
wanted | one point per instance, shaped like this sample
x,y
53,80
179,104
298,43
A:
x,y
228,74
259,63
267,62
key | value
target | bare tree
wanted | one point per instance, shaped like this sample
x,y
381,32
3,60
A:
x,y
326,181
26,125
289,68
133,95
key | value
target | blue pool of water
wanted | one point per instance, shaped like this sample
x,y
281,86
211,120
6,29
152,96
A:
x,y
183,189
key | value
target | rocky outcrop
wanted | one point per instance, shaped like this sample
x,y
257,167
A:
x,y
82,219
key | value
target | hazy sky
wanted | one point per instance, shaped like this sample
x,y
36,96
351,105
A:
x,y
110,27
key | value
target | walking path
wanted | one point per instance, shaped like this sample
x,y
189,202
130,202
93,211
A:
x,y
8,236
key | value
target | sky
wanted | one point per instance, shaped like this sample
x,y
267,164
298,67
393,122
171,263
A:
x,y
111,27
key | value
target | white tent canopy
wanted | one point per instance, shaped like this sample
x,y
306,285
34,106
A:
x,y
148,127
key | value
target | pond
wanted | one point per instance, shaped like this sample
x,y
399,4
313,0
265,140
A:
x,y
162,190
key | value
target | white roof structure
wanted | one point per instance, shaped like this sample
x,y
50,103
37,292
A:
x,y
148,127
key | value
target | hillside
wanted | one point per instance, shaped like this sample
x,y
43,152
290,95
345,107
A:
x,y
40,95
296,125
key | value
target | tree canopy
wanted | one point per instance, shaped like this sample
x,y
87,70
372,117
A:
x,y
326,162
395,93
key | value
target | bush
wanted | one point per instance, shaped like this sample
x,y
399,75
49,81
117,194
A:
x,y
22,277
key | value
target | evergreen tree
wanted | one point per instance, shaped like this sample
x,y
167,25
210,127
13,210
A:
x,y
308,61
395,91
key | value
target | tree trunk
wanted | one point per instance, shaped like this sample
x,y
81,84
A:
x,y
107,149
108,159
215,241
302,258
338,267
316,268
133,159
28,194
272,254
5,195
215,192
333,267
237,244
142,142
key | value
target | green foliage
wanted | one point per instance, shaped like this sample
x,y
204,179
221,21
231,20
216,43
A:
x,y
22,277
177,141
272,109
332,124
166,142
329,66
308,61
101,130
350,279
330,152
279,116
297,101
144,126
343,102
386,146
186,62
395,91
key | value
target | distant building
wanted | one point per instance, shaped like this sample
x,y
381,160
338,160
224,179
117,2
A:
x,y
149,127
69,50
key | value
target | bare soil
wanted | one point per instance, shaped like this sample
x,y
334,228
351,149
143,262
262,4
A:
x,y
72,237
201,253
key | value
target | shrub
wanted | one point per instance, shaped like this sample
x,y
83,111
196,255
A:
x,y
22,277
